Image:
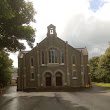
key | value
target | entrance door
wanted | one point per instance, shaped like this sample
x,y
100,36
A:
x,y
48,79
58,79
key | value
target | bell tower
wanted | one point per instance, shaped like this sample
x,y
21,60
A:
x,y
51,31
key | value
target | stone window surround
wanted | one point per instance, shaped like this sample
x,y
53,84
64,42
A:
x,y
73,75
31,65
32,79
73,64
32,71
58,55
53,53
47,50
61,57
42,64
82,68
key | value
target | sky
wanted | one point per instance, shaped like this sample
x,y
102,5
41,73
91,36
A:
x,y
83,23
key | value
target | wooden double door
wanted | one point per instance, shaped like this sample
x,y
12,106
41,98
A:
x,y
48,79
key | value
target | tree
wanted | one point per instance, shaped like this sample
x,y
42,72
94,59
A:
x,y
93,67
5,68
15,19
100,67
104,66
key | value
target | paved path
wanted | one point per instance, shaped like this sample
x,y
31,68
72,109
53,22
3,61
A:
x,y
95,98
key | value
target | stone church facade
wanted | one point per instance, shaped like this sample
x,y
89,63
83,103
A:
x,y
53,63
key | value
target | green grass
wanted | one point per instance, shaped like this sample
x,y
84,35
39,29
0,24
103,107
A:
x,y
101,84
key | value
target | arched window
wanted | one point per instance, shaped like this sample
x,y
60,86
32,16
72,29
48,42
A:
x,y
32,75
52,55
74,74
42,57
62,56
73,59
32,61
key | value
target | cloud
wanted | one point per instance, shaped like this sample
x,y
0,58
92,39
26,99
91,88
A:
x,y
90,29
76,22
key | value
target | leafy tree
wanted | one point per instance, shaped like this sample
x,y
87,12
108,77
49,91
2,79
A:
x,y
100,67
15,19
93,68
104,66
5,68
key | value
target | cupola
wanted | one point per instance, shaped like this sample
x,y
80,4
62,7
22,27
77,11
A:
x,y
51,31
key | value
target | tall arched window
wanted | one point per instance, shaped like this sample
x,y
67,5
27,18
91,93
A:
x,y
42,57
32,75
74,74
73,59
52,54
32,61
62,56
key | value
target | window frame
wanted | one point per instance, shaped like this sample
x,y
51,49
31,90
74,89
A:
x,y
53,56
62,57
74,59
74,77
32,62
42,57
31,76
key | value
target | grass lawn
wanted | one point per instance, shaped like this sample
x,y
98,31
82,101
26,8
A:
x,y
101,84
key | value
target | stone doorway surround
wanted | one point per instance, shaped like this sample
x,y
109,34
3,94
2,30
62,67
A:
x,y
48,79
51,77
58,77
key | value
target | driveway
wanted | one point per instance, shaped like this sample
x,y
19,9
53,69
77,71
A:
x,y
95,98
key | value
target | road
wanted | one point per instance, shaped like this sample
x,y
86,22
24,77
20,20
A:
x,y
95,98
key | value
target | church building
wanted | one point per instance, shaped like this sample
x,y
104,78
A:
x,y
53,63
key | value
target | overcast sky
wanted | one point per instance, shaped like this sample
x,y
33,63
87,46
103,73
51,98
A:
x,y
83,23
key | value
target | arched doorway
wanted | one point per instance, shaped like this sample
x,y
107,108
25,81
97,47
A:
x,y
58,79
48,79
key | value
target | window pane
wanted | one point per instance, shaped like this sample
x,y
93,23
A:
x,y
73,59
49,56
32,62
42,57
32,75
62,56
74,73
53,55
